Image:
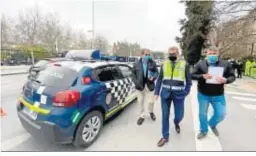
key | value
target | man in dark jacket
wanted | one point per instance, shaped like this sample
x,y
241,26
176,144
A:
x,y
211,90
144,75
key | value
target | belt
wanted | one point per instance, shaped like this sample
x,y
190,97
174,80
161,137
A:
x,y
173,87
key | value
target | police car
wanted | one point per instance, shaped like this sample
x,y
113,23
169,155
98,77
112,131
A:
x,y
69,101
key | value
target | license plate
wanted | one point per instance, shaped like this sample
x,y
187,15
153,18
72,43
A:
x,y
30,113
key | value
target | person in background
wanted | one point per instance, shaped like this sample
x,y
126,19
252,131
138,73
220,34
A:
x,y
145,73
175,81
248,67
211,93
239,69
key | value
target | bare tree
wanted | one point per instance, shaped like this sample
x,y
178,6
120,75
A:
x,y
6,30
235,9
101,43
235,27
50,33
28,26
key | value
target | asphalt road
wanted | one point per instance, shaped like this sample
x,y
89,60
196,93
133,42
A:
x,y
237,132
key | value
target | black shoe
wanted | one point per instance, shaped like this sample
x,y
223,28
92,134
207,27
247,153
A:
x,y
215,131
153,117
201,135
140,121
177,128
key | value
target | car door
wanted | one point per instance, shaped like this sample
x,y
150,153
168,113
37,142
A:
x,y
129,91
109,77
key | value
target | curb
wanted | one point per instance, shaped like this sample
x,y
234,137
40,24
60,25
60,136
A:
x,y
14,73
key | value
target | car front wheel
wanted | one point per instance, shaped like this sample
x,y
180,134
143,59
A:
x,y
89,129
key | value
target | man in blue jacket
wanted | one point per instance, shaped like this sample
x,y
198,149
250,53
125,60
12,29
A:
x,y
175,81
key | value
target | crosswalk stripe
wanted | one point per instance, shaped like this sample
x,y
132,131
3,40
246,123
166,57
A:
x,y
15,141
244,98
242,94
211,142
248,106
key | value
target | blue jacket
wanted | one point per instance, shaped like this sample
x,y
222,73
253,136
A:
x,y
175,94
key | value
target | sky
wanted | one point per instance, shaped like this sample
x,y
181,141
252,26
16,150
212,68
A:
x,y
151,23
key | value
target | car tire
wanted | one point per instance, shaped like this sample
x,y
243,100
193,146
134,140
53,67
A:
x,y
80,140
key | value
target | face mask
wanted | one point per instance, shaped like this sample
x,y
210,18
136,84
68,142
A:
x,y
172,57
146,57
212,58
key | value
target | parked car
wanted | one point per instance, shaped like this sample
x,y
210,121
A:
x,y
69,101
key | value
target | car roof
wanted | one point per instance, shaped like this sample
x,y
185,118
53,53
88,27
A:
x,y
56,59
78,65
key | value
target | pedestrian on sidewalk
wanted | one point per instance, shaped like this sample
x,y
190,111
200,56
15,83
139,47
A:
x,y
145,73
239,69
211,93
175,81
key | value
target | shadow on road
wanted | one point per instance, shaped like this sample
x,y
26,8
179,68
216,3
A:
x,y
32,144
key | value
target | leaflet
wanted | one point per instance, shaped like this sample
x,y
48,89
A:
x,y
215,72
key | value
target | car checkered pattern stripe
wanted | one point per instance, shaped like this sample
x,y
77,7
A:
x,y
120,89
43,98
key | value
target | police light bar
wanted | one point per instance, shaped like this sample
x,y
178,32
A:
x,y
83,54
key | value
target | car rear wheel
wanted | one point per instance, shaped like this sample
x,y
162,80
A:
x,y
89,129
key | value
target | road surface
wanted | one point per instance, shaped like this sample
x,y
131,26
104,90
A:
x,y
237,132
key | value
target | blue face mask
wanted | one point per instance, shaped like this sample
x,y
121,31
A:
x,y
146,58
212,58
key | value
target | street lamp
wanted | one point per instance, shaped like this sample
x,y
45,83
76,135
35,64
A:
x,y
92,30
92,40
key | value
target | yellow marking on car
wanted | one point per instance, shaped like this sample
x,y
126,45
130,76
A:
x,y
130,99
34,108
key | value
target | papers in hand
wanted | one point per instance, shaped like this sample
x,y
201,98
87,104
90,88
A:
x,y
215,72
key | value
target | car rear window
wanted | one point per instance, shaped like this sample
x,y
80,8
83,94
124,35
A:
x,y
57,76
41,63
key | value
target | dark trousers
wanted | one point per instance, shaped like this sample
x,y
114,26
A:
x,y
178,111
239,73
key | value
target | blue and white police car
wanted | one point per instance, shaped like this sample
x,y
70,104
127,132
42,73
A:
x,y
68,101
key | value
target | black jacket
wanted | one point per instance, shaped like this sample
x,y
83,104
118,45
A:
x,y
138,75
212,89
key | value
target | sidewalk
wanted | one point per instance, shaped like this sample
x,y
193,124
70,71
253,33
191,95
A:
x,y
246,83
13,70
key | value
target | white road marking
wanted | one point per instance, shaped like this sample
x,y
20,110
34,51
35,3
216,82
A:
x,y
244,98
248,106
242,94
211,142
13,142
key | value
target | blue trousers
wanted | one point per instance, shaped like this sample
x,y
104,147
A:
x,y
219,107
178,111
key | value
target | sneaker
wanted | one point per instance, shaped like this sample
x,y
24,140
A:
x,y
140,121
152,116
215,131
201,135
